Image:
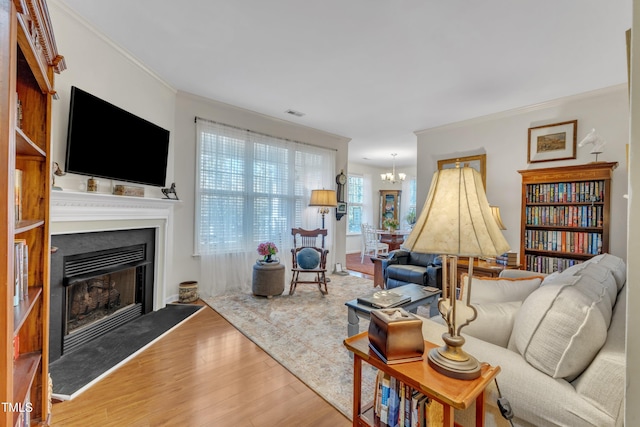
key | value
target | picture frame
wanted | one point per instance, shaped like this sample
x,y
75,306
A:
x,y
341,210
552,142
478,162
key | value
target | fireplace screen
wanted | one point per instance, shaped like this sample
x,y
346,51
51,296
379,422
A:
x,y
93,299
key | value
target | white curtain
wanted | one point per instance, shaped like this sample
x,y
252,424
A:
x,y
252,188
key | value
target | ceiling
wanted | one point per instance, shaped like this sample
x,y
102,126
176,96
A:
x,y
373,70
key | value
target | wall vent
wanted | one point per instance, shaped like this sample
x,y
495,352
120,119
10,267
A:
x,y
294,113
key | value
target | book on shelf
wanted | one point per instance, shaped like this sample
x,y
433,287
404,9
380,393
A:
x,y
17,193
384,299
396,404
21,269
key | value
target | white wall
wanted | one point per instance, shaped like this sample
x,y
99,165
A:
x,y
503,138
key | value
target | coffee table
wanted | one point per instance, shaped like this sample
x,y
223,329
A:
x,y
419,296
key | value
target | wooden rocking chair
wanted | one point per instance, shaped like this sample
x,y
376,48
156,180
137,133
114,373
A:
x,y
309,258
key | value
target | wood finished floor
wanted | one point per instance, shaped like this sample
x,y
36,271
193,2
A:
x,y
203,373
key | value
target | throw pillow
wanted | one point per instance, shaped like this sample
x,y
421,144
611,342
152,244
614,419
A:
x,y
499,289
615,264
559,329
308,258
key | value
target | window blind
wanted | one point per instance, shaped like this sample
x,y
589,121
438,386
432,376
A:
x,y
252,188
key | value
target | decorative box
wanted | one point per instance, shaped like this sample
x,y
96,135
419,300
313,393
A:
x,y
128,190
395,335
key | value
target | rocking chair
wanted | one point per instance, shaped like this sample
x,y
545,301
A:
x,y
309,258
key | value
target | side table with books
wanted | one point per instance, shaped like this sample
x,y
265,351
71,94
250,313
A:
x,y
418,376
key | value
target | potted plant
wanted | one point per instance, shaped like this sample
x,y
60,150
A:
x,y
411,218
391,224
268,250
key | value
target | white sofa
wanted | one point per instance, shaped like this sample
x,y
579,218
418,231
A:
x,y
560,345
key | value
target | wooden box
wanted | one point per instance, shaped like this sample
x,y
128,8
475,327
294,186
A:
x,y
395,335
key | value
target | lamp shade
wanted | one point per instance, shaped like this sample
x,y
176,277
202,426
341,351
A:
x,y
456,218
323,198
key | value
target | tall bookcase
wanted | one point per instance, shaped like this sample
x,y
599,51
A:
x,y
565,215
28,60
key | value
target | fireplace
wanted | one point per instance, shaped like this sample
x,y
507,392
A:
x,y
99,281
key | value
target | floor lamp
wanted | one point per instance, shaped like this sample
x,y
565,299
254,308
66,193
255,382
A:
x,y
456,220
323,199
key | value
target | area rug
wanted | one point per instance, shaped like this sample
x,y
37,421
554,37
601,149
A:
x,y
305,333
75,372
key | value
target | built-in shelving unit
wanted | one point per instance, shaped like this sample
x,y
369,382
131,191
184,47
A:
x,y
29,59
565,215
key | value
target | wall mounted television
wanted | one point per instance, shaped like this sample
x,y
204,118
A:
x,y
105,141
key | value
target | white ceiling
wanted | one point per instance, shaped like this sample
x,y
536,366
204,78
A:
x,y
373,70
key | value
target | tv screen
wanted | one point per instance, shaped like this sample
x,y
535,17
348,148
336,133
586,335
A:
x,y
105,141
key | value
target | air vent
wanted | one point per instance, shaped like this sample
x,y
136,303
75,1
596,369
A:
x,y
294,113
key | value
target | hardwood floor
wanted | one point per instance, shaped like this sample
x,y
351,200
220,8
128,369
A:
x,y
203,373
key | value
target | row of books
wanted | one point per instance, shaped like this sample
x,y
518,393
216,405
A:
x,y
398,405
548,265
587,191
510,259
563,241
565,216
20,270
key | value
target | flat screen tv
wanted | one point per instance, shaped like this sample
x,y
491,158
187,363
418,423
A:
x,y
105,141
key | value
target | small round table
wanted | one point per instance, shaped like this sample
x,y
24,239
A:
x,y
268,279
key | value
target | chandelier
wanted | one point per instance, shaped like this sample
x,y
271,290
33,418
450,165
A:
x,y
391,176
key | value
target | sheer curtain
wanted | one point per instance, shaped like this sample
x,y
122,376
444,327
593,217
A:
x,y
252,188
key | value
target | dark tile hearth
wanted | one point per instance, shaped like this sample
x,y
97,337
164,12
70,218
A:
x,y
77,370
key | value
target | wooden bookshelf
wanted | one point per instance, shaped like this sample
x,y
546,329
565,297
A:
x,y
565,215
28,61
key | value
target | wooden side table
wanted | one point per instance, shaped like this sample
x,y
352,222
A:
x,y
450,392
378,274
481,268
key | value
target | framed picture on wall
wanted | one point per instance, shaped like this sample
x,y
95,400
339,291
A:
x,y
478,162
552,142
389,205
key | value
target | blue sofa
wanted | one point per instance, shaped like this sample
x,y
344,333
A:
x,y
404,267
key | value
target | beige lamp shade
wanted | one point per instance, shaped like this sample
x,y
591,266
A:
x,y
323,198
456,218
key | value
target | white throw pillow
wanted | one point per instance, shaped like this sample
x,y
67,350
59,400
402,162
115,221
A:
x,y
559,329
494,322
486,290
615,264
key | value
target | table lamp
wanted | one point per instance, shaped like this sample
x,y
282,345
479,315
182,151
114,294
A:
x,y
456,220
323,199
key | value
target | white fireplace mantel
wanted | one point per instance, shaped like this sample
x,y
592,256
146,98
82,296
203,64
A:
x,y
77,206
79,212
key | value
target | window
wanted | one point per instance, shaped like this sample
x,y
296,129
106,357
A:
x,y
253,188
411,208
355,201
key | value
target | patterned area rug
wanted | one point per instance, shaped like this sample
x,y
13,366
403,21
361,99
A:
x,y
305,332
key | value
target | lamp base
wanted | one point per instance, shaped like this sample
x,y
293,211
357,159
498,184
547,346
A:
x,y
452,361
